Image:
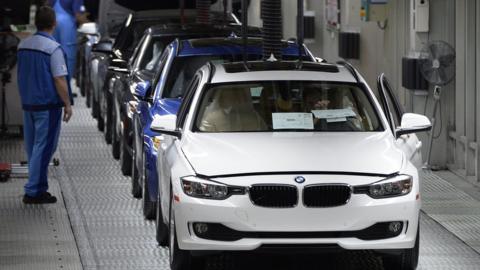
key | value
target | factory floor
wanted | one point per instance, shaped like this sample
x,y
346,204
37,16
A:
x,y
98,225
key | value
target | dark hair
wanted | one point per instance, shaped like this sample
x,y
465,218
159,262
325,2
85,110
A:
x,y
45,18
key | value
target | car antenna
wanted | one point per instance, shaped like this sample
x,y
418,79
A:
x,y
300,31
245,33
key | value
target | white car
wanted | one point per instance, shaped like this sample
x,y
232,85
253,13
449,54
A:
x,y
282,156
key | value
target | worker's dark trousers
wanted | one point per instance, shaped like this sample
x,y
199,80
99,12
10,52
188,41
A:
x,y
41,131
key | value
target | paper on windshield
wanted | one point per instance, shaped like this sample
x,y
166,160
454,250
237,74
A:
x,y
292,120
337,115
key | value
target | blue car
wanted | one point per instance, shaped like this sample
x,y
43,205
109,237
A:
x,y
162,95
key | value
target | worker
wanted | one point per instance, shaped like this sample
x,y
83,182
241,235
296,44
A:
x,y
69,12
42,81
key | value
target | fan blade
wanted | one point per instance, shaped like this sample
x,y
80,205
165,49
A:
x,y
434,51
443,77
431,75
446,60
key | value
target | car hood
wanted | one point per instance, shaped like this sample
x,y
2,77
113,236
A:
x,y
217,154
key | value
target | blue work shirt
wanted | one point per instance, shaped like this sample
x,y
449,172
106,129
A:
x,y
72,7
40,59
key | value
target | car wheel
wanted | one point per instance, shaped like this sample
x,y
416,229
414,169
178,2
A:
x,y
136,190
406,260
108,120
149,210
180,259
115,141
95,108
125,157
87,100
100,123
161,227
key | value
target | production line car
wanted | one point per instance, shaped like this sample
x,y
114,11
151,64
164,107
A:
x,y
142,66
161,95
116,61
285,156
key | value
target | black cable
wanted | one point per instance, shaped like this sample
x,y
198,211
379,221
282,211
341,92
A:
x,y
441,122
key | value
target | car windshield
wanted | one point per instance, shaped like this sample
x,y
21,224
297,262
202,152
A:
x,y
286,106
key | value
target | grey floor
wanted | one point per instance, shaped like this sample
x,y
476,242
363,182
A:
x,y
100,226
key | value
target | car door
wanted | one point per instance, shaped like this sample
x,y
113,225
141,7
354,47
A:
x,y
167,153
409,143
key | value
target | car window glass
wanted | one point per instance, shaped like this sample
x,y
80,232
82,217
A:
x,y
188,100
158,69
286,106
184,69
137,54
389,102
151,56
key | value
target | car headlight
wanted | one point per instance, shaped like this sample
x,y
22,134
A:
x,y
399,185
206,189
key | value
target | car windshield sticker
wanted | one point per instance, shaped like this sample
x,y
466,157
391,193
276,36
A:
x,y
339,119
334,114
292,120
256,91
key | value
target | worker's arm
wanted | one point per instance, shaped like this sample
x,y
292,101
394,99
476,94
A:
x,y
62,90
59,70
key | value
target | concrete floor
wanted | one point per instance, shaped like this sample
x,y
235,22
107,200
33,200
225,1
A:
x,y
98,225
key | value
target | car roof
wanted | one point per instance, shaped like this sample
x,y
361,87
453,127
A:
x,y
281,71
197,29
229,45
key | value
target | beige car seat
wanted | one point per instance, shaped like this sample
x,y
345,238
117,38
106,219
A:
x,y
231,111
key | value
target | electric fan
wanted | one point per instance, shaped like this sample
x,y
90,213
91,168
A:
x,y
438,68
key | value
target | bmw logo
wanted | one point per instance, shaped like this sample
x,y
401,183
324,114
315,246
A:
x,y
300,179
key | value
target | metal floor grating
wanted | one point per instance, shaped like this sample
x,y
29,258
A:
x,y
111,233
452,208
35,236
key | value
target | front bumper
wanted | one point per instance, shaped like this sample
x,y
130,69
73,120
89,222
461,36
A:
x,y
238,213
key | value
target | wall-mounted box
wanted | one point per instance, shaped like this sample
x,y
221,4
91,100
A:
x,y
412,77
349,45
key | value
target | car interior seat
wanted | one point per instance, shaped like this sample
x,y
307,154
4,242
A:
x,y
232,110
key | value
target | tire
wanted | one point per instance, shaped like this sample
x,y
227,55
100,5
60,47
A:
x,y
87,100
125,158
100,123
180,259
95,108
406,260
114,140
108,122
149,206
136,190
160,226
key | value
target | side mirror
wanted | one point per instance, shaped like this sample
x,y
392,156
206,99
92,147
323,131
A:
x,y
102,47
141,89
413,123
88,28
166,124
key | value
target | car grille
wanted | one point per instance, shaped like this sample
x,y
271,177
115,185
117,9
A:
x,y
275,196
326,195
